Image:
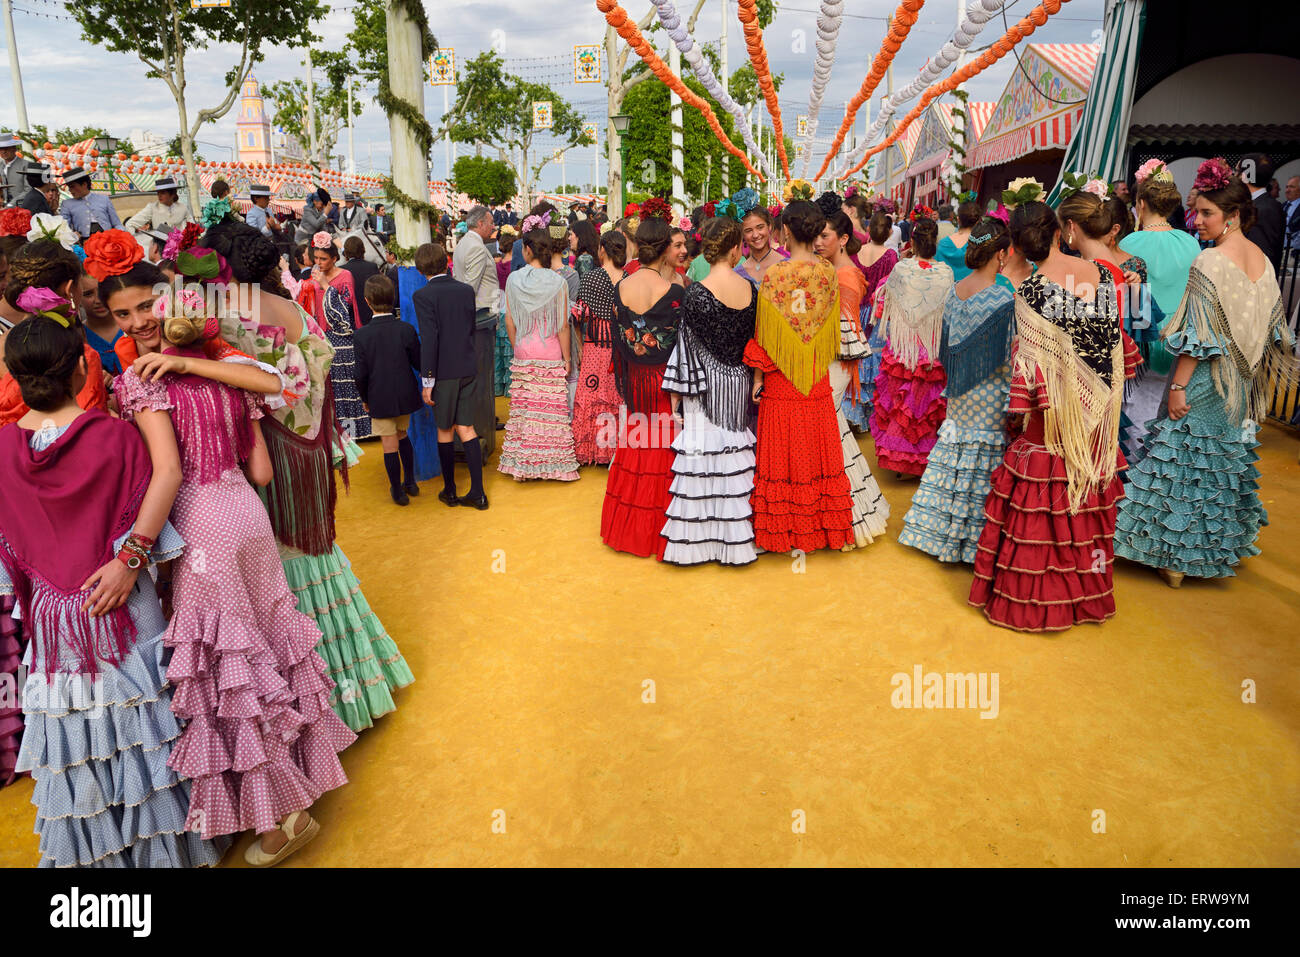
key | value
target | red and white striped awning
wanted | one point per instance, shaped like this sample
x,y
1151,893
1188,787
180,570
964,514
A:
x,y
1050,133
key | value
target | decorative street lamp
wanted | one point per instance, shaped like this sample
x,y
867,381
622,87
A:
x,y
621,123
107,146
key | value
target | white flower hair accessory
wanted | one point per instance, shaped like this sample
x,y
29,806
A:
x,y
54,228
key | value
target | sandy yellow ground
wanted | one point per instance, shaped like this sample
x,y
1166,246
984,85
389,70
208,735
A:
x,y
772,695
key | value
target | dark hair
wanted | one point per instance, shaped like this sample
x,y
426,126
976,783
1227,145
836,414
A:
x,y
378,292
353,248
1260,175
968,214
992,236
925,238
879,226
588,239
431,259
843,226
653,237
301,254
1232,199
330,250
219,188
719,236
1088,211
1161,196
804,220
830,202
538,242
10,245
42,356
41,263
763,213
541,209
142,275
615,245
251,256
862,206
1033,225
1117,211
945,211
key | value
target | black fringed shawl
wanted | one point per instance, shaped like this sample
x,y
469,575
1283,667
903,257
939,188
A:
x,y
644,341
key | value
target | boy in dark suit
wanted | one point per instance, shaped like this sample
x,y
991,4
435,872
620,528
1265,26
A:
x,y
387,359
444,309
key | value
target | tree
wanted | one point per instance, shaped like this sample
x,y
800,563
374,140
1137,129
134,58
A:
x,y
330,101
495,108
174,149
161,33
39,133
484,179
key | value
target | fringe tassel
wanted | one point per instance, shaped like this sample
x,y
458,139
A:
x,y
639,386
58,617
981,353
803,363
213,423
301,497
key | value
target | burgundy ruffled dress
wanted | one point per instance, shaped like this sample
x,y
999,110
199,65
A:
x,y
261,740
11,716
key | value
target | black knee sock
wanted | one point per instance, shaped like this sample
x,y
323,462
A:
x,y
474,459
393,465
406,452
447,461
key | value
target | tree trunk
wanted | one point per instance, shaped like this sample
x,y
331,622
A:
x,y
614,102
406,80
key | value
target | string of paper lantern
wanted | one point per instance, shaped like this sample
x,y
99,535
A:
x,y
899,27
1027,25
748,14
828,31
617,18
700,67
975,16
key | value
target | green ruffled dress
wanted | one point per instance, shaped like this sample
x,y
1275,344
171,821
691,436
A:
x,y
1192,503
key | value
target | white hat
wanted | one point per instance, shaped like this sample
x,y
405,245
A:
x,y
75,175
39,174
160,235
349,197
256,189
165,182
8,140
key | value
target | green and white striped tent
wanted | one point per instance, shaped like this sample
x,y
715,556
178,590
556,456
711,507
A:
x,y
1101,138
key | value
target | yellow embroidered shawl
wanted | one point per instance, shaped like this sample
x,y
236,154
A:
x,y
797,302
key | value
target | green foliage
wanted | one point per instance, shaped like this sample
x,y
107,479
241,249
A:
x,y
743,85
330,101
174,149
39,133
486,180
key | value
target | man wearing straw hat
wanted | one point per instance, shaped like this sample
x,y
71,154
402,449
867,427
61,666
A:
x,y
164,212
86,212
259,216
13,182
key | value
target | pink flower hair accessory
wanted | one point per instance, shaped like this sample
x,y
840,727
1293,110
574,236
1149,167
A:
x,y
1151,166
39,299
685,224
1212,174
1097,187
322,240
536,222
184,302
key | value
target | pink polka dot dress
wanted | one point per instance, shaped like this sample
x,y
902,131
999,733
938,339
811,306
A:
x,y
261,740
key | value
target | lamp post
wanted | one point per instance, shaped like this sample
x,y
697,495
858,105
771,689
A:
x,y
621,123
107,146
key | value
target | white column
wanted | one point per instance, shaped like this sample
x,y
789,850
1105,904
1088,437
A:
x,y
20,101
352,156
679,188
406,79
446,108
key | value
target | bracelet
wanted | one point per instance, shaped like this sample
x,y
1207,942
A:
x,y
132,560
1175,387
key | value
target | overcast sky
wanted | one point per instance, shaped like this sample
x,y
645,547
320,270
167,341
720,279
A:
x,y
69,82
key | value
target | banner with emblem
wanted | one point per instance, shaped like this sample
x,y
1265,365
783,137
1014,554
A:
x,y
802,126
589,129
586,63
442,67
541,114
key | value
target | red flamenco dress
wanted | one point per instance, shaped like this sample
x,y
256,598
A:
x,y
801,494
1044,560
909,404
637,492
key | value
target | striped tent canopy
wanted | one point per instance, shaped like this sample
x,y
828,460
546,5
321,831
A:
x,y
1041,104
979,113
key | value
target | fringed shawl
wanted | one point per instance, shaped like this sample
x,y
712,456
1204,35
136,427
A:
x,y
1254,337
1073,348
798,319
61,509
977,335
643,341
913,315
538,302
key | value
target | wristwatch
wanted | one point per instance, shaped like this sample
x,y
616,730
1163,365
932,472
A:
x,y
1175,387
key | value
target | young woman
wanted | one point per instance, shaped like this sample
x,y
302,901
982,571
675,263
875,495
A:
x,y
947,513
907,403
952,249
260,740
539,440
74,538
756,227
305,445
596,402
876,260
858,208
709,387
583,247
647,311
801,492
837,245
1044,559
1193,503
335,298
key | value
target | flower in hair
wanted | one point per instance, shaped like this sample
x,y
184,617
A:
x,y
745,199
920,212
184,302
536,222
46,226
729,209
215,210
1098,187
1000,212
111,253
1026,189
1212,174
321,240
710,210
179,240
851,191
797,189
1153,167
656,207
39,299
776,210
201,263
605,227
15,222
883,204
684,223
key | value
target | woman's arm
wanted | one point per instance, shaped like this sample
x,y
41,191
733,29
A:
x,y
1183,371
510,328
564,348
258,467
247,377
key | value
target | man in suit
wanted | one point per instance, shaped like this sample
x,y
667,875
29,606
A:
x,y
444,311
1291,212
361,269
13,182
42,195
1256,169
384,224
87,212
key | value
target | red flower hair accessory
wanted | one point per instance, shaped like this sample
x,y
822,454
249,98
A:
x,y
657,208
111,253
15,222
1212,174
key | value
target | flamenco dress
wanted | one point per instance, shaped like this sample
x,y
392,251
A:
x,y
538,439
306,445
596,402
11,715
1192,502
638,489
947,512
260,739
858,411
339,319
801,491
1044,560
709,513
908,402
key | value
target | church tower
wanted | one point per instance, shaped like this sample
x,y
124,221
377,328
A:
x,y
253,127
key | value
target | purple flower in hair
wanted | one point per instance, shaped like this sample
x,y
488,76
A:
x,y
39,299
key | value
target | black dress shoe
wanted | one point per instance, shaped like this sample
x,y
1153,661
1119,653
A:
x,y
399,495
411,488
448,498
480,503
500,426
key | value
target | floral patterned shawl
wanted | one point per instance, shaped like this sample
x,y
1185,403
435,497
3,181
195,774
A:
x,y
798,319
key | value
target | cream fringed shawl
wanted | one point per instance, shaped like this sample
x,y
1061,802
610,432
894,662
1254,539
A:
x,y
1074,348
1258,348
797,302
913,311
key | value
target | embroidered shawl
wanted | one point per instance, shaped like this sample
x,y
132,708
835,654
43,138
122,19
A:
x,y
913,316
798,319
977,334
